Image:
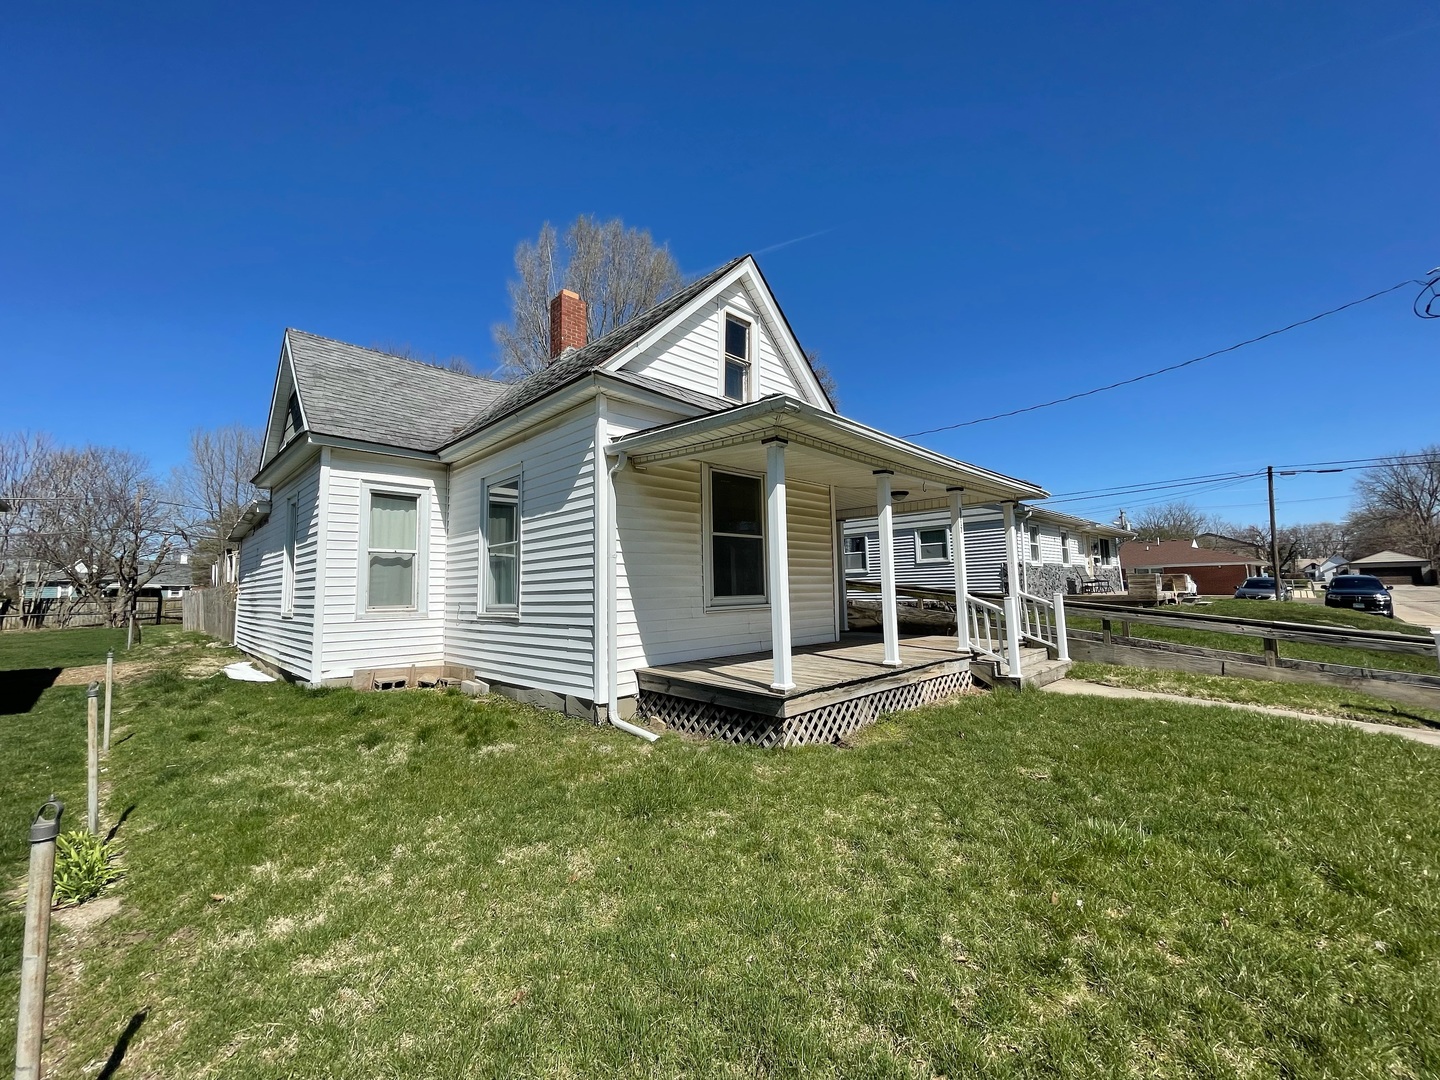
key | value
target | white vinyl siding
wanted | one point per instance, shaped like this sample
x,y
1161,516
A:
x,y
260,629
549,643
691,354
353,637
984,552
662,614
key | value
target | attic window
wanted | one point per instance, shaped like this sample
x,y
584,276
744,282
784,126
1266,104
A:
x,y
293,424
737,359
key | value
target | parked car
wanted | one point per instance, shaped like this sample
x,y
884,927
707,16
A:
x,y
1258,588
1361,592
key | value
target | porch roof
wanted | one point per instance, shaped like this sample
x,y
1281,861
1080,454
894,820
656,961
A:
x,y
825,449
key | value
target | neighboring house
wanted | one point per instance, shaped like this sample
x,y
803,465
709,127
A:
x,y
1323,569
1216,573
669,496
1395,568
170,582
1057,552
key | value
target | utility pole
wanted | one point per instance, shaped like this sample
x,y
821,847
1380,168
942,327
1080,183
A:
x,y
1274,535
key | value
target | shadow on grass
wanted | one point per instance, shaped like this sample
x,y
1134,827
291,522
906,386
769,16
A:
x,y
20,689
116,827
122,1044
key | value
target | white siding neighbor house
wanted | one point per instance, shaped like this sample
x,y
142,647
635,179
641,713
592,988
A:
x,y
1058,553
653,526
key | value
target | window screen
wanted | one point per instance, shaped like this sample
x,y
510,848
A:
x,y
502,545
737,537
394,532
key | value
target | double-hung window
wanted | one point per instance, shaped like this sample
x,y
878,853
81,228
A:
x,y
502,545
1065,548
855,554
931,545
737,539
1034,544
737,359
394,548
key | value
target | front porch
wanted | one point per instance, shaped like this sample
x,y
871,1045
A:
x,y
839,687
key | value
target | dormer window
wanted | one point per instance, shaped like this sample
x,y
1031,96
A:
x,y
737,359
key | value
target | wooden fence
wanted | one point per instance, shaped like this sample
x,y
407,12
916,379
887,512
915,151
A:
x,y
1117,646
211,611
66,613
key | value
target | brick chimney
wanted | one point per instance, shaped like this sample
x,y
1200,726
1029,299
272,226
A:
x,y
567,322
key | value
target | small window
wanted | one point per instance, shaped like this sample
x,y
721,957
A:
x,y
737,359
737,538
855,554
502,545
293,423
1034,544
931,545
287,580
394,536
1065,548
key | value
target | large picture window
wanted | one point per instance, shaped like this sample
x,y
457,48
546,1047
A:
x,y
502,545
393,550
737,538
931,546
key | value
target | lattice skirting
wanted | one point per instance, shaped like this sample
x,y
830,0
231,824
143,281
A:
x,y
827,724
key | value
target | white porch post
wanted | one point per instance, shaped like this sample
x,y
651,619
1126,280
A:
x,y
957,558
889,618
1012,593
777,565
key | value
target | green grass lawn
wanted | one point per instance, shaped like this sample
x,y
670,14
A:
x,y
326,883
21,649
1287,611
1306,697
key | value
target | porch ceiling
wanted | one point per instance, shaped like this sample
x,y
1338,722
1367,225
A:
x,y
823,449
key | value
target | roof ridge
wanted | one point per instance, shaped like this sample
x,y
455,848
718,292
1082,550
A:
x,y
395,356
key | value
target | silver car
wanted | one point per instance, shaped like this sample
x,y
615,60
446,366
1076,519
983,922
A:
x,y
1258,588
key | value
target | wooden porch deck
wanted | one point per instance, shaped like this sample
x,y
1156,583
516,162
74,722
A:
x,y
839,686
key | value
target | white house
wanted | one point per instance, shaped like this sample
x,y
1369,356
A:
x,y
655,520
1057,552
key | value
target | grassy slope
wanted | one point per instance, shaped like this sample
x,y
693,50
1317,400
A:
x,y
20,649
1290,611
418,885
1306,697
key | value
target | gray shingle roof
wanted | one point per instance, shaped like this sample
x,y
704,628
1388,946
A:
x,y
356,393
581,362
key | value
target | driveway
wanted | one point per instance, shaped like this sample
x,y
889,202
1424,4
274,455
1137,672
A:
x,y
1418,604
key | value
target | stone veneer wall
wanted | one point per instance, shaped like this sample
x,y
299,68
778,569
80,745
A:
x,y
1050,578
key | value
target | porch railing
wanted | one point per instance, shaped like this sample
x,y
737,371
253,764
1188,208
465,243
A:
x,y
1043,622
987,627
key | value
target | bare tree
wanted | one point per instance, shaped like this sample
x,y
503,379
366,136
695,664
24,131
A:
x,y
824,377
214,487
20,451
1399,505
1178,520
98,518
619,272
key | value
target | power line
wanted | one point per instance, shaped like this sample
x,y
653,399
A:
x,y
1429,285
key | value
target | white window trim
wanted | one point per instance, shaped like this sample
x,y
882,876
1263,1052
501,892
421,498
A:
x,y
482,610
864,555
1035,548
421,607
1064,549
290,542
731,603
750,365
945,543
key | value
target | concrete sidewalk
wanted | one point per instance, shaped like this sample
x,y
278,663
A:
x,y
1418,604
1428,736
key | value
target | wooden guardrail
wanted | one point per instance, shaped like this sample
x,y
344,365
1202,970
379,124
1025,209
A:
x,y
1269,630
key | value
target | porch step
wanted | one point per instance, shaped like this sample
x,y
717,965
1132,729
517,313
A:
x,y
1036,667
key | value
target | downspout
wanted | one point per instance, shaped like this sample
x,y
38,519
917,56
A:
x,y
612,619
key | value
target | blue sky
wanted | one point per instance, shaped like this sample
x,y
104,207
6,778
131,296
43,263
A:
x,y
1013,202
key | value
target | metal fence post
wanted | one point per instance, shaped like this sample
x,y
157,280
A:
x,y
92,786
109,686
30,1029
